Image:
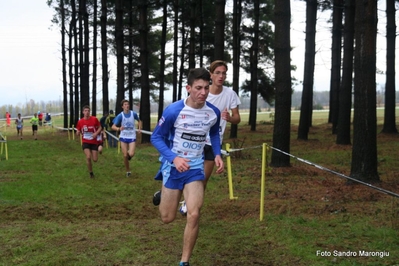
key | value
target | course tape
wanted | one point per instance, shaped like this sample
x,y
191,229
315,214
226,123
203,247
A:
x,y
62,128
288,154
339,174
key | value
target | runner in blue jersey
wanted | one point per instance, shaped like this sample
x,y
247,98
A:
x,y
124,123
180,138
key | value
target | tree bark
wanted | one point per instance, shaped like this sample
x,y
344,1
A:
x,y
94,79
282,48
72,24
390,91
219,29
254,68
145,108
236,56
64,73
345,94
104,54
120,62
335,63
78,114
175,48
305,119
193,19
84,54
163,57
364,151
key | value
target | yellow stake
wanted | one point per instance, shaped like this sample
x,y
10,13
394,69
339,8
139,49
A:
x,y
262,185
5,138
229,174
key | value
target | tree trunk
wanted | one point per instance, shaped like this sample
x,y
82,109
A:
x,y
78,114
104,54
130,55
364,151
335,63
254,68
72,24
162,63
390,97
145,108
236,56
64,74
94,80
345,94
219,29
282,49
201,33
175,48
193,19
305,119
120,64
182,59
84,54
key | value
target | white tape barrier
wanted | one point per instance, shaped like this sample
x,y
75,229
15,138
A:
x,y
339,174
62,128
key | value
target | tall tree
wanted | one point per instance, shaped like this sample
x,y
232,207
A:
x,y
261,64
193,25
390,97
64,73
120,59
71,37
130,37
94,80
162,61
201,33
236,56
254,51
345,92
364,151
219,29
76,64
84,53
305,119
175,47
145,110
282,48
104,54
183,44
335,63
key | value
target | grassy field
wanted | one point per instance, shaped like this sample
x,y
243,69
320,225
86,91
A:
x,y
52,213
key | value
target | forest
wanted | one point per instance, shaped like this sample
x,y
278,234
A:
x,y
156,42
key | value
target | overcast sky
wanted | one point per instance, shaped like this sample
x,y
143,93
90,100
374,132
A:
x,y
30,64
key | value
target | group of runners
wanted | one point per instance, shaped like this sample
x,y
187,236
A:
x,y
93,134
36,120
188,137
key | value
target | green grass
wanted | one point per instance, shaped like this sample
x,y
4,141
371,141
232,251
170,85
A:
x,y
52,213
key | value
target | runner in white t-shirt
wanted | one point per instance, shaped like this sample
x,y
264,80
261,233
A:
x,y
226,100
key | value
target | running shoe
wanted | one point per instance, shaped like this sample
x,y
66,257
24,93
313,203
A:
x,y
183,208
156,199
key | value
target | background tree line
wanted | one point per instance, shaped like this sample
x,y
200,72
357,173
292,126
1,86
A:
x,y
156,42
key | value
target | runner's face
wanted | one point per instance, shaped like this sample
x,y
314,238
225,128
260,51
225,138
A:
x,y
126,106
86,112
198,91
219,76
